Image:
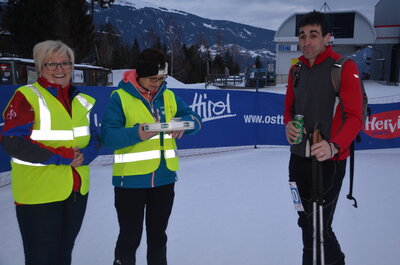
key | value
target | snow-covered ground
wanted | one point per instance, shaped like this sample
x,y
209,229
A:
x,y
234,208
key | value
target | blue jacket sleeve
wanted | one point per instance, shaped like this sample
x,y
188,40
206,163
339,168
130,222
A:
x,y
187,114
91,150
16,139
113,134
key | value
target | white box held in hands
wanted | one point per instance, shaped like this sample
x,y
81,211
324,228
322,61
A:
x,y
173,125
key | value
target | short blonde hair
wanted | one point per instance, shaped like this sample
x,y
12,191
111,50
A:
x,y
49,48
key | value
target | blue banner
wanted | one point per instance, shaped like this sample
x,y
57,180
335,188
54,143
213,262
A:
x,y
234,118
6,94
237,118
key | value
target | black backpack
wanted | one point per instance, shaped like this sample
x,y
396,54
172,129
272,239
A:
x,y
336,75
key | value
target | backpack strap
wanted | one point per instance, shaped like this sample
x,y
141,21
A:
x,y
350,195
296,72
336,76
337,73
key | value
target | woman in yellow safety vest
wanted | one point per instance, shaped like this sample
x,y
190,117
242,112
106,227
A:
x,y
145,162
51,138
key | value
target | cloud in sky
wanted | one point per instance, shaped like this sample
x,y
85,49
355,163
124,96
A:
x,y
269,14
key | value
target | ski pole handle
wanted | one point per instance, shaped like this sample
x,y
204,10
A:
x,y
316,136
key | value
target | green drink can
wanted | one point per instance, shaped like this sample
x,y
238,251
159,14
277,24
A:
x,y
298,122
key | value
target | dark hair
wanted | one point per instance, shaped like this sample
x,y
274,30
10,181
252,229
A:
x,y
315,18
150,61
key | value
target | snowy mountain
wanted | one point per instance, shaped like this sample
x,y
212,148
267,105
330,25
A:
x,y
140,20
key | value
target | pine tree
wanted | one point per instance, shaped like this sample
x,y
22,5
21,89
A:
x,y
228,59
151,38
218,65
257,62
78,27
191,72
135,51
29,22
32,21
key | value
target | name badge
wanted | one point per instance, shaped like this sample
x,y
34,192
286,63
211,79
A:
x,y
296,196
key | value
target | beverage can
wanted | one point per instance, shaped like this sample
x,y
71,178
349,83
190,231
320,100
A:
x,y
298,122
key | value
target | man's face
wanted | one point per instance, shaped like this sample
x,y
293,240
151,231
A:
x,y
312,42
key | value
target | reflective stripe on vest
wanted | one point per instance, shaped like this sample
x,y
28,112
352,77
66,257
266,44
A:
x,y
22,162
139,156
170,153
46,133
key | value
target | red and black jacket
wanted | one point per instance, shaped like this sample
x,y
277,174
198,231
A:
x,y
314,96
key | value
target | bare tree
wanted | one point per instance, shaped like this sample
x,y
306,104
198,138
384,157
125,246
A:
x,y
173,36
219,42
107,41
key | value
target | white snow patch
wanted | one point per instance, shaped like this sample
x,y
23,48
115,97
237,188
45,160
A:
x,y
209,26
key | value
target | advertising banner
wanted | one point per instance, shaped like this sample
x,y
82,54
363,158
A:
x,y
234,118
237,118
382,129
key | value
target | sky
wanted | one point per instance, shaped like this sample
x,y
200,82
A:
x,y
268,14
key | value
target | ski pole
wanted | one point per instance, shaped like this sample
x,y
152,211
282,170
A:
x,y
314,233
321,213
317,193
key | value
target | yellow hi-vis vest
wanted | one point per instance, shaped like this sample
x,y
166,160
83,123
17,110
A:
x,y
144,157
35,183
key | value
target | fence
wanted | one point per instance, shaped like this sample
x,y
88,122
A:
x,y
235,119
223,80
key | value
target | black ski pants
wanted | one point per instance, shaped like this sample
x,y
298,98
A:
x,y
133,205
49,230
300,171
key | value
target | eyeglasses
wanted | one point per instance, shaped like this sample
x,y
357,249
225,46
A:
x,y
53,66
154,79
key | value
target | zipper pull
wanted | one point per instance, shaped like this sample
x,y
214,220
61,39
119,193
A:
x,y
158,116
153,112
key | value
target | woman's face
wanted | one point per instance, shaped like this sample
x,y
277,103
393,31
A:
x,y
57,69
151,83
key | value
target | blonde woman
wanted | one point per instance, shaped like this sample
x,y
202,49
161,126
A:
x,y
51,138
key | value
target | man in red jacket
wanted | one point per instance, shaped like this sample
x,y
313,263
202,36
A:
x,y
310,92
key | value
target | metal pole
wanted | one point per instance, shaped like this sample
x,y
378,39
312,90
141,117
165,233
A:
x,y
320,181
257,102
172,62
317,197
314,261
321,234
